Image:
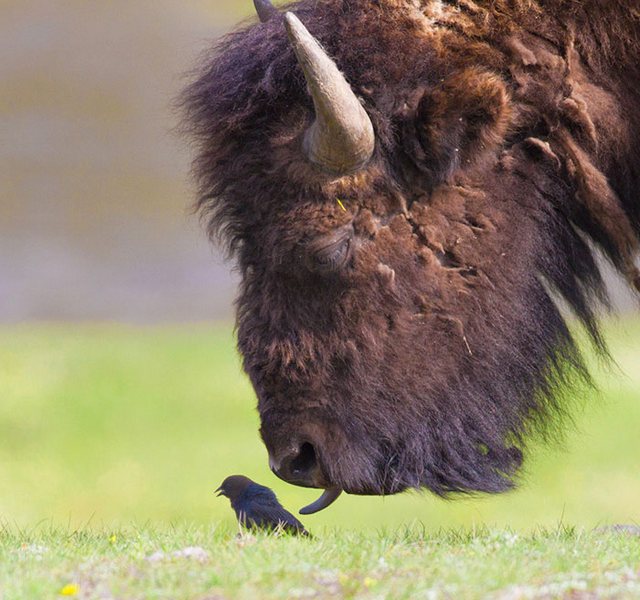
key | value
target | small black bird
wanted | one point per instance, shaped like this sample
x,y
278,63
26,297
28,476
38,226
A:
x,y
257,507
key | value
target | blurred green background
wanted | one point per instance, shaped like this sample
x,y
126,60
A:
x,y
121,395
112,424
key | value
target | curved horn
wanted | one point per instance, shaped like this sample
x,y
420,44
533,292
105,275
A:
x,y
327,499
265,9
341,140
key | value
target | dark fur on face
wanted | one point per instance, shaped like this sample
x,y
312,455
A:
x,y
426,348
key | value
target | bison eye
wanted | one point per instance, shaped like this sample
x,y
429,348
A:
x,y
330,253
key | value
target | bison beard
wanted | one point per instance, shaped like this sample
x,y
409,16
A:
x,y
397,311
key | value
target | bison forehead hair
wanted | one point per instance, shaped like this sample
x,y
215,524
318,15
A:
x,y
398,309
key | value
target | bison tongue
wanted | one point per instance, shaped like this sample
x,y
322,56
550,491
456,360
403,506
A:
x,y
327,499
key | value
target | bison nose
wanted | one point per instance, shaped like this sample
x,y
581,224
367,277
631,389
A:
x,y
299,467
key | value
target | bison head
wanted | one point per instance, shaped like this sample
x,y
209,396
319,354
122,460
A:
x,y
407,191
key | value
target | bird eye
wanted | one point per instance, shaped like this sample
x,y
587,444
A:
x,y
330,253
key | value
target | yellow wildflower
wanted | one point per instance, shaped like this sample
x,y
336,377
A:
x,y
70,589
370,582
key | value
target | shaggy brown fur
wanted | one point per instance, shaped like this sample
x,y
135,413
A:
x,y
425,348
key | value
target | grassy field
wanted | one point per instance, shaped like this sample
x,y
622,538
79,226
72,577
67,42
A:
x,y
208,564
113,438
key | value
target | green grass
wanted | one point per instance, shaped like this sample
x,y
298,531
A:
x,y
145,563
107,428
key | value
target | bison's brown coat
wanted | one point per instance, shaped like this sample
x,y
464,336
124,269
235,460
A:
x,y
507,147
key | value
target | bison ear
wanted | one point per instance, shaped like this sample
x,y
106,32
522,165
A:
x,y
458,123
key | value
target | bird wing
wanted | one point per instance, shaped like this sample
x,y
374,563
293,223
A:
x,y
270,515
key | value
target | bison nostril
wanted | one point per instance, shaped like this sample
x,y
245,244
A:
x,y
305,461
301,467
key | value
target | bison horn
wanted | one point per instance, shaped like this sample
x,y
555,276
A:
x,y
341,140
327,499
265,9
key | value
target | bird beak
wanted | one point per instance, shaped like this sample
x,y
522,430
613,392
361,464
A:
x,y
219,492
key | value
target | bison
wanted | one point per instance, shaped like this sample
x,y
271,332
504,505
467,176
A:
x,y
415,193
